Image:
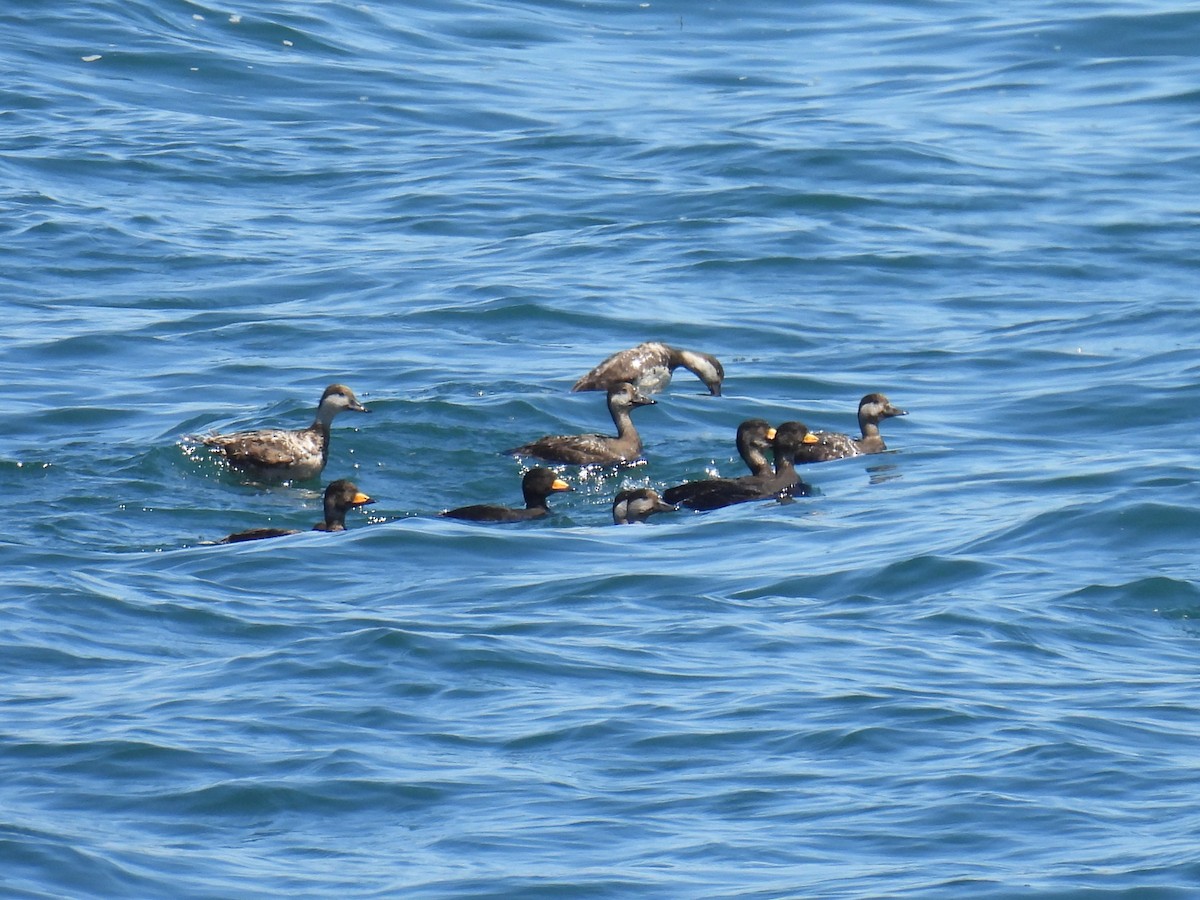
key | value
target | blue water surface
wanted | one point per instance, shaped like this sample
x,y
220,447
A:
x,y
962,668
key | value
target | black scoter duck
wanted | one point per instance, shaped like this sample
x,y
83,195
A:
x,y
754,438
637,505
340,497
586,449
649,366
872,409
278,454
537,486
782,482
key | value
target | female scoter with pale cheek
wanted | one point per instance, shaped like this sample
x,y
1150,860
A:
x,y
649,367
872,409
340,497
278,454
588,449
537,486
637,505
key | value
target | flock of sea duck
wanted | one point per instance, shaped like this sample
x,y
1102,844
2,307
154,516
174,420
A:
x,y
279,454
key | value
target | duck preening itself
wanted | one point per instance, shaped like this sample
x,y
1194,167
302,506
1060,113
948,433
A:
x,y
649,366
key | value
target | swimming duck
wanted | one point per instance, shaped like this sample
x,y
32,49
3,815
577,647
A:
x,y
649,367
637,505
278,454
586,449
782,482
754,438
537,485
872,409
340,497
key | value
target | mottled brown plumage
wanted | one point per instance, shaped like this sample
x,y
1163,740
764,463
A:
x,y
587,449
872,409
649,366
278,454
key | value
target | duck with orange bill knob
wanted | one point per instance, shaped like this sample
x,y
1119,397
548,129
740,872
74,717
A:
x,y
537,486
754,438
781,483
340,497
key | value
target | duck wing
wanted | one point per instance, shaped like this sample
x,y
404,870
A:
x,y
256,534
269,448
578,449
829,445
714,493
484,512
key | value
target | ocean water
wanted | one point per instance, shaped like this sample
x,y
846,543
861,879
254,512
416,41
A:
x,y
963,668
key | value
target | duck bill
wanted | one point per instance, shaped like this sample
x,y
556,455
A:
x,y
770,434
361,499
560,485
810,438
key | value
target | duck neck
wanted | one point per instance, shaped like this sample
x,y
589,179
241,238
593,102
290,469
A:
x,y
535,501
755,460
624,422
320,427
335,519
325,413
700,365
868,425
785,465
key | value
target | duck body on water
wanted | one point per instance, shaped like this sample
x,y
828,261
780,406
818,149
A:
x,y
754,438
277,454
340,497
592,449
830,445
537,486
781,482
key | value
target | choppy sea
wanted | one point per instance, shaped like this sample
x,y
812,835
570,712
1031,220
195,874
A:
x,y
966,667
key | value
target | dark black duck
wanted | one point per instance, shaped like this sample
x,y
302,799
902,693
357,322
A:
x,y
340,497
537,486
